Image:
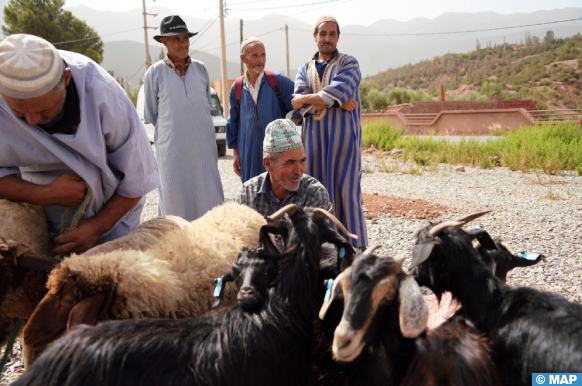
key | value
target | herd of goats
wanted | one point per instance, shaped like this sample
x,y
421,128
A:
x,y
234,298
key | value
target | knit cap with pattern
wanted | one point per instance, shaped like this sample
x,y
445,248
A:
x,y
29,66
281,135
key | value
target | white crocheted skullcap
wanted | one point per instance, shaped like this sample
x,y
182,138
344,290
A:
x,y
29,66
248,41
281,135
324,19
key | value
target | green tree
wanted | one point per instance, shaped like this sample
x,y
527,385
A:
x,y
549,38
47,19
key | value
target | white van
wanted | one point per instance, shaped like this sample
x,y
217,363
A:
x,y
215,110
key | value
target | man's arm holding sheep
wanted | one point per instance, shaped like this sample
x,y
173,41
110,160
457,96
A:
x,y
90,229
68,190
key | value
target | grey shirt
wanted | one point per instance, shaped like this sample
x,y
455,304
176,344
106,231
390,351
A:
x,y
257,194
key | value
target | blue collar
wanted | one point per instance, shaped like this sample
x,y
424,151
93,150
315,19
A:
x,y
316,57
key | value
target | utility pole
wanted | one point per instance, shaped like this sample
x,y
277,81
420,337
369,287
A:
x,y
241,40
287,49
224,78
148,57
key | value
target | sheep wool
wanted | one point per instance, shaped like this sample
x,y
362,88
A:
x,y
206,249
148,286
26,224
174,277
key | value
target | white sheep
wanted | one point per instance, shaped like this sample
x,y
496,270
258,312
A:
x,y
24,264
175,278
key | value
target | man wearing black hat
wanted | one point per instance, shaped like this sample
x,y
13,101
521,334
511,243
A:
x,y
177,103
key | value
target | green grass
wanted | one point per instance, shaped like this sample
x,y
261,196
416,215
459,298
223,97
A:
x,y
380,135
550,148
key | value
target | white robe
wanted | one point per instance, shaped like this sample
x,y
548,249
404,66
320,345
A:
x,y
185,140
109,149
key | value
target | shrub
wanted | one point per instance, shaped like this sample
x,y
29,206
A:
x,y
550,148
380,134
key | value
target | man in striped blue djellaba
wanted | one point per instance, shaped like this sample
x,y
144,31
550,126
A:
x,y
328,88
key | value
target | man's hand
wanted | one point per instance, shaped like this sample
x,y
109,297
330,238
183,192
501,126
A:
x,y
236,163
80,239
300,100
85,236
297,102
350,105
67,190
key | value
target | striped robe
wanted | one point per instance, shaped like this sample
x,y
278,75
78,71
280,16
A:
x,y
333,143
185,140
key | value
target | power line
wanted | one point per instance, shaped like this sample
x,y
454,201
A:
x,y
95,38
204,28
205,9
250,2
237,42
285,6
454,32
323,6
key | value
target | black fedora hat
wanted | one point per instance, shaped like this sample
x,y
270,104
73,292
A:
x,y
172,26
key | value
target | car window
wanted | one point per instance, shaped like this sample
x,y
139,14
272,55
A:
x,y
215,108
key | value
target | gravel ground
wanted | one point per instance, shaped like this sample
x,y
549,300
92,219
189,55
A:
x,y
534,213
530,212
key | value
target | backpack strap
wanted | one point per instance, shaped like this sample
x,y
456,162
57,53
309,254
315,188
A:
x,y
272,80
238,86
273,83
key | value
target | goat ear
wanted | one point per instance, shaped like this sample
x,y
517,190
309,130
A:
x,y
272,238
91,310
86,311
422,251
526,259
340,286
484,238
413,313
277,242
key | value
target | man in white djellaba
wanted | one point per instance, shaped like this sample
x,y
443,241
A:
x,y
72,142
177,103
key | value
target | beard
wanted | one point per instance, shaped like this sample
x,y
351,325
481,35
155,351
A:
x,y
326,48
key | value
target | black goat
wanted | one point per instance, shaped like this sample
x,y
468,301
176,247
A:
x,y
269,343
531,330
382,331
499,257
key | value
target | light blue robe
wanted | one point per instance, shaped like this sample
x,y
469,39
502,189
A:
x,y
246,130
185,140
333,144
109,149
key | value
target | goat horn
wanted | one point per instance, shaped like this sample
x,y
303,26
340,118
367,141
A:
x,y
435,230
325,214
290,209
473,216
371,249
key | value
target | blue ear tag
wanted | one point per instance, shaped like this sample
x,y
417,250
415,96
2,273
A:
x,y
341,253
329,285
217,287
528,255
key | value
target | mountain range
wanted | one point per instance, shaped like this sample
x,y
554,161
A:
x,y
385,44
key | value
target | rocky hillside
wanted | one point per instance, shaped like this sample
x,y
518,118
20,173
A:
x,y
547,70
